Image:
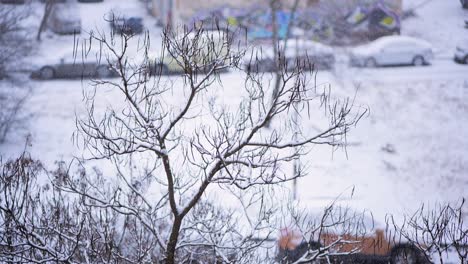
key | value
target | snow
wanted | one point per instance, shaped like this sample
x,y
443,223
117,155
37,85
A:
x,y
428,163
377,45
307,45
94,19
411,149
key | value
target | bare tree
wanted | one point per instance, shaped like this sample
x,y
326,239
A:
x,y
436,231
175,143
15,45
331,236
41,224
48,7
12,100
192,145
14,41
35,228
458,232
190,139
279,51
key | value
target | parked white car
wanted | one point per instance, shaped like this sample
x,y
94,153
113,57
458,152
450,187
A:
x,y
392,50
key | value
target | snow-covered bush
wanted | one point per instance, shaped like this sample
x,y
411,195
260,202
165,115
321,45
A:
x,y
15,44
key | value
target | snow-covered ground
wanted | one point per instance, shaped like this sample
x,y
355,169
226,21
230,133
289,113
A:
x,y
411,149
95,19
440,22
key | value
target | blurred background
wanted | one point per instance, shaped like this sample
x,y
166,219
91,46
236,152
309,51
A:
x,y
405,59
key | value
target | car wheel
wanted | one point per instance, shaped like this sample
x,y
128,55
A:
x,y
47,73
371,63
418,61
103,71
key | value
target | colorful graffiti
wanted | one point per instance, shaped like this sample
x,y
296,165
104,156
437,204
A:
x,y
370,16
257,21
314,24
261,25
377,16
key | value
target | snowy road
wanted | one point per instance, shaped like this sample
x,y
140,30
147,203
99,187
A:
x,y
440,69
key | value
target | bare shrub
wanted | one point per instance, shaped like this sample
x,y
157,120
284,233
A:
x,y
436,231
189,139
15,45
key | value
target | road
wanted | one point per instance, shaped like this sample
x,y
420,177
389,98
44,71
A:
x,y
441,69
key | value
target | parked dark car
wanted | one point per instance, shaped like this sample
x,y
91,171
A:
x,y
308,55
55,1
74,68
464,3
128,26
15,2
64,19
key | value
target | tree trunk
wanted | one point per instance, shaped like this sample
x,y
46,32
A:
x,y
47,10
172,243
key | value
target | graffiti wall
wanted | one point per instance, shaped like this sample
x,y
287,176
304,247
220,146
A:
x,y
326,21
376,15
